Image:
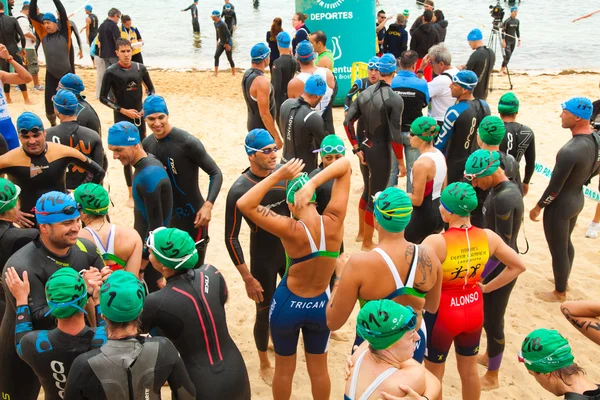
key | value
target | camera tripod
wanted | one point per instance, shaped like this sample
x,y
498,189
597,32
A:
x,y
495,39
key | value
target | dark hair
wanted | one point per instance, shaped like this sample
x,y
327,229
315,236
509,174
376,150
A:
x,y
429,3
380,12
439,15
320,37
427,15
565,374
408,58
1,6
400,19
113,12
112,326
25,7
125,18
120,42
276,28
301,17
507,115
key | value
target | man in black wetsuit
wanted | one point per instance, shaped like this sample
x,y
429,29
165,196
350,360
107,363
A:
x,y
70,133
213,362
125,80
259,93
380,110
267,256
283,71
183,155
303,128
56,42
12,36
504,213
11,237
577,162
91,26
39,167
230,18
58,246
511,36
519,140
86,115
481,62
193,8
51,353
152,192
127,363
224,42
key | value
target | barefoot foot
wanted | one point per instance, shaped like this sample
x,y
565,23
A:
x,y
129,202
489,382
482,359
551,297
359,238
266,374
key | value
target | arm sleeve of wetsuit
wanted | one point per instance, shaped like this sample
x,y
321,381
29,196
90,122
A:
x,y
97,155
81,380
23,326
62,14
107,82
99,320
148,81
447,130
396,126
565,160
38,306
20,35
91,167
504,217
76,33
208,165
529,160
3,145
187,9
356,87
472,63
316,126
33,19
179,380
153,202
518,32
351,118
226,33
233,222
277,81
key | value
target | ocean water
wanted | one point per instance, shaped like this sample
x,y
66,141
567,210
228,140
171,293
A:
x,y
550,41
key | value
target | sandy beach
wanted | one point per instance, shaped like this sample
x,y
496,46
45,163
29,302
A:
x,y
214,111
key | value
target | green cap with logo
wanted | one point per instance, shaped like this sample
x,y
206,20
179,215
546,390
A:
x,y
174,248
122,297
392,209
508,104
482,163
492,130
66,293
383,322
459,198
545,350
293,185
426,128
9,195
93,198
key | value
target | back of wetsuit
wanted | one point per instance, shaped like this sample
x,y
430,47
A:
x,y
87,116
284,70
482,62
254,120
587,395
132,368
93,27
519,141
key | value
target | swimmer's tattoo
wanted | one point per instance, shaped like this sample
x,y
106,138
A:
x,y
266,212
594,325
424,263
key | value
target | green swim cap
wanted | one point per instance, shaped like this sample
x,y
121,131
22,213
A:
x,y
492,130
406,13
9,195
332,144
93,199
426,128
296,184
122,297
482,163
383,322
508,104
459,198
392,209
174,248
545,350
66,293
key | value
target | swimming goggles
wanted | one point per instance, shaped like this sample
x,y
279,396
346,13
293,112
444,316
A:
x,y
68,210
339,149
72,303
548,360
410,325
264,151
373,65
465,85
36,130
181,260
470,177
18,191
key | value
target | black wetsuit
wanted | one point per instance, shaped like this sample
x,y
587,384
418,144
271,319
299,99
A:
x,y
195,24
93,31
87,116
576,163
126,85
3,145
182,155
153,205
85,140
303,131
223,38
43,173
11,240
510,30
587,395
74,32
230,19
283,71
267,256
129,368
254,120
11,36
17,380
504,213
518,142
51,353
482,62
190,311
380,110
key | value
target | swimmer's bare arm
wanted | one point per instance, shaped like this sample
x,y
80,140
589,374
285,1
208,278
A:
x,y
433,388
134,260
583,315
295,88
345,293
419,181
514,263
330,77
20,76
263,98
586,16
429,276
436,248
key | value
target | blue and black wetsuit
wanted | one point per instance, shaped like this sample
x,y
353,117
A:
x,y
182,156
267,256
17,380
223,38
190,311
153,205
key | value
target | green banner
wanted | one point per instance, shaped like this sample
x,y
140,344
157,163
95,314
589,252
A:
x,y
350,29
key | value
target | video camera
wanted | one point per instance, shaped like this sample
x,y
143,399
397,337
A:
x,y
497,12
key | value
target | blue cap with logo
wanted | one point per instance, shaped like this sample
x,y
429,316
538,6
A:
x,y
284,40
89,8
55,207
155,104
475,35
387,64
305,51
65,102
256,139
29,120
72,83
49,17
259,52
465,79
581,107
123,134
315,85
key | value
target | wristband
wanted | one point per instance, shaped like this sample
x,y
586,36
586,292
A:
x,y
421,72
9,59
357,150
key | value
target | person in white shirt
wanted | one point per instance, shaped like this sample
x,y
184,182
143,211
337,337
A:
x,y
439,88
31,54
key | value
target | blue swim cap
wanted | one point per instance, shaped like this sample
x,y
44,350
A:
x,y
216,13
305,51
259,52
465,79
387,64
25,3
72,83
256,139
49,17
65,102
155,104
29,120
315,85
374,63
228,6
475,35
514,8
55,207
283,40
123,134
580,107
89,8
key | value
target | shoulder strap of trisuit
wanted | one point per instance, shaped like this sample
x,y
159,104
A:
x,y
596,164
446,74
354,381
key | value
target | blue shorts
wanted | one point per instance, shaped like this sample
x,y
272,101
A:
x,y
420,345
9,132
290,313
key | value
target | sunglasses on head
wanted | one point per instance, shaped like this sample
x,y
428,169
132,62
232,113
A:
x,y
264,151
68,210
35,130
